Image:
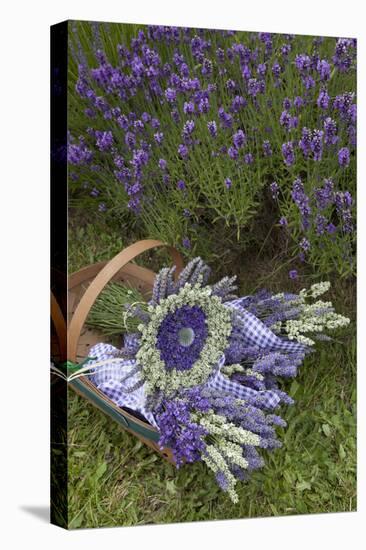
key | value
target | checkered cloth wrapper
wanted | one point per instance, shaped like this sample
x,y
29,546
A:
x,y
109,378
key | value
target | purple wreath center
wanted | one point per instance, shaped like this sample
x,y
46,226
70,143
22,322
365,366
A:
x,y
181,337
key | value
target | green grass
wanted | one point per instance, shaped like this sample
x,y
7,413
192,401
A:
x,y
116,480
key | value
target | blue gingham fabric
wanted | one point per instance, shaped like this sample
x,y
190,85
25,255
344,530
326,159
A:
x,y
111,378
255,332
132,342
220,382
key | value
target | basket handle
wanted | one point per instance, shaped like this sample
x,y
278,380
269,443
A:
x,y
60,326
101,280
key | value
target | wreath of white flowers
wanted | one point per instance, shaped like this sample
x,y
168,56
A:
x,y
218,320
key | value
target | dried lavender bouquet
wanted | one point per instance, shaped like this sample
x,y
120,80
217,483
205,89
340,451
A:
x,y
203,365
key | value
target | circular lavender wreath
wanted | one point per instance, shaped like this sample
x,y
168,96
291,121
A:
x,y
182,343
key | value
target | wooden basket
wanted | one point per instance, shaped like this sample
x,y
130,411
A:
x,y
84,288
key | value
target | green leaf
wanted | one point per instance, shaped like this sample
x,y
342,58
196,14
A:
x,y
294,387
99,472
327,430
171,487
288,477
342,452
76,521
303,486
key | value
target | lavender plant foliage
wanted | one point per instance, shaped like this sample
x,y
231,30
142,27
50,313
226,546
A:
x,y
207,107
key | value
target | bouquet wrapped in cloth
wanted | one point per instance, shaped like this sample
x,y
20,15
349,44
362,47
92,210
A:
x,y
202,365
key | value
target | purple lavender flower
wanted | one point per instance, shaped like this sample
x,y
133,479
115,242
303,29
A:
x,y
155,123
181,185
212,128
253,87
248,158
330,131
285,120
352,135
331,228
342,103
178,432
323,68
298,102
267,150
303,63
323,99
342,58
274,190
288,121
293,274
134,204
324,196
171,95
183,151
207,67
246,72
347,225
130,140
302,201
233,153
90,113
283,221
239,139
261,69
145,117
309,82
138,125
305,141
277,363
184,70
352,113
320,224
140,158
222,481
305,244
188,107
186,243
163,164
79,154
287,103
228,183
102,207
175,115
317,144
276,70
225,118
188,130
343,157
220,54
230,85
285,49
237,104
288,153
104,140
343,200
158,137
204,105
